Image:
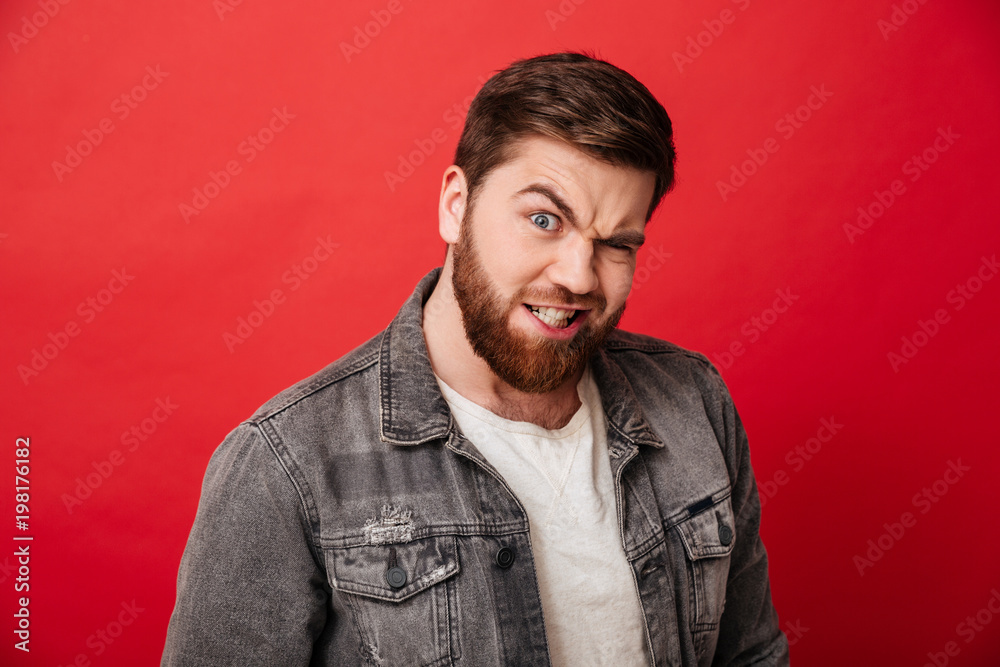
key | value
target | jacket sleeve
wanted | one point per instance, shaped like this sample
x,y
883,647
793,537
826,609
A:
x,y
249,590
748,632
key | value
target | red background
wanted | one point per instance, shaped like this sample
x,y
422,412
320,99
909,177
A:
x,y
324,175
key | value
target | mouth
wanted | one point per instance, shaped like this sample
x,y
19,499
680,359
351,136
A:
x,y
557,318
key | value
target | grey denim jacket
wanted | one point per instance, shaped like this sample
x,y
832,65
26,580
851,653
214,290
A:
x,y
350,522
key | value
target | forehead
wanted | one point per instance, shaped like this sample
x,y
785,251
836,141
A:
x,y
591,186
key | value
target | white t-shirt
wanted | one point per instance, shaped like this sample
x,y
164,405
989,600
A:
x,y
563,479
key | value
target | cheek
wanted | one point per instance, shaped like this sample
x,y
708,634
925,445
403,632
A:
x,y
508,266
514,260
616,281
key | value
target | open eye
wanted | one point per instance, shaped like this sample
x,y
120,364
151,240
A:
x,y
545,221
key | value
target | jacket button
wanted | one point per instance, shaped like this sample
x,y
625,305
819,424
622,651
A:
x,y
505,557
396,577
725,534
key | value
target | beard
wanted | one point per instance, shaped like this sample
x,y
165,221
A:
x,y
532,364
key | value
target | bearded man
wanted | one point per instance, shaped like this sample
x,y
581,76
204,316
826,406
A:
x,y
501,477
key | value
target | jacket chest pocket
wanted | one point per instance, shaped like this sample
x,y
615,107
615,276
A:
x,y
708,538
399,597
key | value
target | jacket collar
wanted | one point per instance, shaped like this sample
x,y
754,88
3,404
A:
x,y
413,410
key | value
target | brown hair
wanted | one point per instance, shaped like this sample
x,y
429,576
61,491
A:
x,y
595,106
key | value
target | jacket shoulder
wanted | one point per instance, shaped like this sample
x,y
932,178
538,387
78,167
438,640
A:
x,y
626,341
642,357
356,361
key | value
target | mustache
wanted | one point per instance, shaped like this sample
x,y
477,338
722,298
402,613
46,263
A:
x,y
559,296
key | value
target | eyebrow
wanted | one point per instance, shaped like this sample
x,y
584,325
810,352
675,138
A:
x,y
629,237
550,194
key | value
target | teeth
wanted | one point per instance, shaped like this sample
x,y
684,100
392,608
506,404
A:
x,y
554,317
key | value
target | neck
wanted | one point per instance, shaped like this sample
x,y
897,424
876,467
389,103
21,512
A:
x,y
455,362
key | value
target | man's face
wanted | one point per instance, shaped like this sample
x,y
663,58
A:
x,y
544,260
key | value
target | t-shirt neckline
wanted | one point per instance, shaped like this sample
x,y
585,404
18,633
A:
x,y
580,417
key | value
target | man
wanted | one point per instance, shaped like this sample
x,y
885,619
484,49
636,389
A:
x,y
500,477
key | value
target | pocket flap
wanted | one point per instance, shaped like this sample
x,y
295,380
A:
x,y
362,569
709,533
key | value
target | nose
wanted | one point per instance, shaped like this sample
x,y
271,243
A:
x,y
573,265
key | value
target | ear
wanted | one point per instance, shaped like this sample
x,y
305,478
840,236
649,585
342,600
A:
x,y
451,207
